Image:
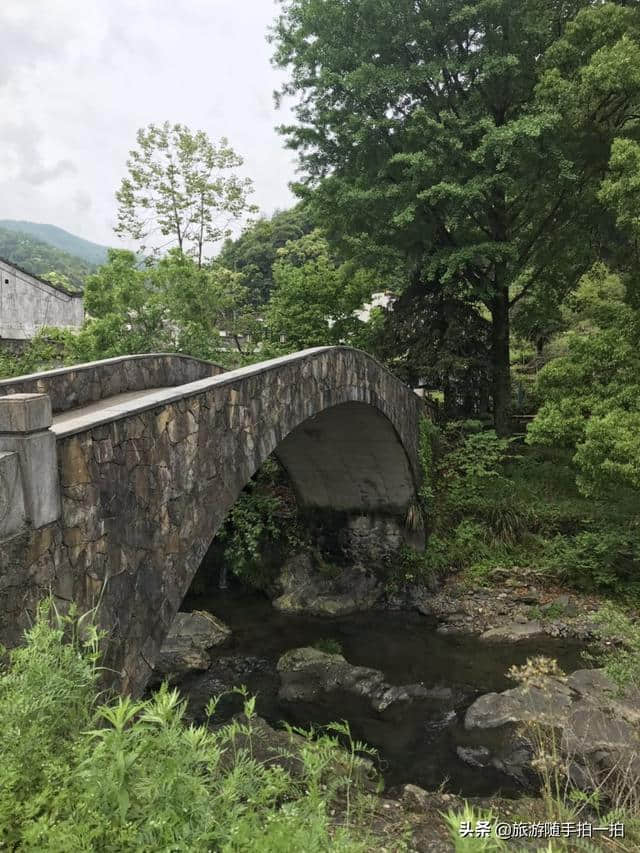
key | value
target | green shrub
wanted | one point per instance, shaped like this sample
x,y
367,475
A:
x,y
329,645
619,651
262,527
131,775
600,559
408,566
500,508
427,444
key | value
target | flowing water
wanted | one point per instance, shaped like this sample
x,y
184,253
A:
x,y
417,744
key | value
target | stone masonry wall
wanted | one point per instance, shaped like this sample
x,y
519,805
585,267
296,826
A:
x,y
70,387
143,496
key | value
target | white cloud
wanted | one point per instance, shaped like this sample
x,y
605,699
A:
x,y
79,77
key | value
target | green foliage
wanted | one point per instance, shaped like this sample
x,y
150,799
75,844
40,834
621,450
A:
x,y
262,527
315,299
329,645
132,775
427,442
173,305
619,651
437,338
43,260
255,251
180,191
621,189
43,352
408,567
125,312
591,396
605,558
501,508
47,694
467,140
200,303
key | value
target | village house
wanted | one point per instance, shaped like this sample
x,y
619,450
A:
x,y
27,303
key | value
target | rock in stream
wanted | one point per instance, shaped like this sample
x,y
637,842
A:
x,y
189,638
597,729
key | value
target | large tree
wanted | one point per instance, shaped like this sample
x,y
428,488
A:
x,y
470,138
180,191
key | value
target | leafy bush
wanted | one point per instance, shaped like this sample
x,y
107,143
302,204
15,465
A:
x,y
602,559
619,652
329,645
262,527
131,775
43,352
408,566
427,443
591,395
501,507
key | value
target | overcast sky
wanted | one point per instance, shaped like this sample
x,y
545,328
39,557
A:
x,y
79,77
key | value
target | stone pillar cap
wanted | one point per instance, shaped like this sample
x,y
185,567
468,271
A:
x,y
20,413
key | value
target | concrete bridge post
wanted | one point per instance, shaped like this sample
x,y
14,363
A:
x,y
30,489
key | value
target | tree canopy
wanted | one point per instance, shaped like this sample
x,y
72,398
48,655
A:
x,y
591,395
470,139
171,306
315,298
180,191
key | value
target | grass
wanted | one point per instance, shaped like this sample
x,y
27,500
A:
x,y
505,509
82,774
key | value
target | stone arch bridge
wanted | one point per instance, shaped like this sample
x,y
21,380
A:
x,y
116,475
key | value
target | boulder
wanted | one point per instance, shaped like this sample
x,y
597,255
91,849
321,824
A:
x,y
514,632
416,799
597,729
304,588
308,675
189,638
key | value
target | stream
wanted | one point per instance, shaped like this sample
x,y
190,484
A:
x,y
416,744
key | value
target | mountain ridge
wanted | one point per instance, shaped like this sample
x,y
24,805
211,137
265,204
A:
x,y
44,260
91,253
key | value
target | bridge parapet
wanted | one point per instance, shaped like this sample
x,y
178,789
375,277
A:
x,y
29,483
82,384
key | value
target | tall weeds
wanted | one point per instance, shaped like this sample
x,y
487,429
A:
x,y
77,775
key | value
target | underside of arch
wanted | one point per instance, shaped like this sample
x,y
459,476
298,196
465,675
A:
x,y
350,458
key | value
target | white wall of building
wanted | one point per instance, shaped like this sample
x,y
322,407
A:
x,y
27,304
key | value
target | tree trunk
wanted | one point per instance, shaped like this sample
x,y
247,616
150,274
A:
x,y
500,361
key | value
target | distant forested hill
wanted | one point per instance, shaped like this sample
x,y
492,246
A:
x,y
42,259
91,253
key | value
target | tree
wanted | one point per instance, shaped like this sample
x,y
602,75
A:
x,y
180,191
452,133
315,298
173,306
125,313
591,396
202,302
435,338
254,252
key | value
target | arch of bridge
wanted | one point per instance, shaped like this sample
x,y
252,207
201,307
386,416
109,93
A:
x,y
145,486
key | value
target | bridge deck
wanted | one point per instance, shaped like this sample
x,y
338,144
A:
x,y
84,416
